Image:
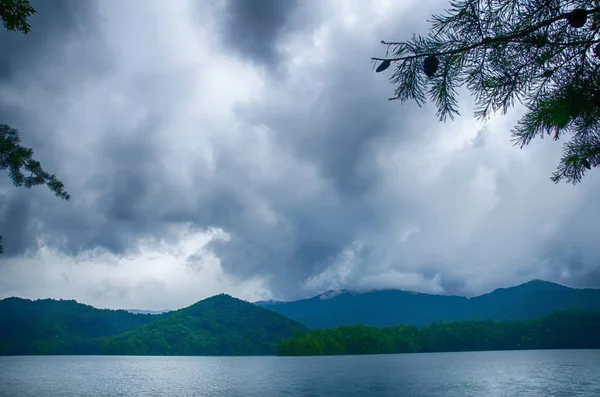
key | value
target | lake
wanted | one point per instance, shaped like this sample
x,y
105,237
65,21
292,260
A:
x,y
507,373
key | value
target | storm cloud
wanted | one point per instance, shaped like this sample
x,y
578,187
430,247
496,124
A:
x,y
254,28
195,169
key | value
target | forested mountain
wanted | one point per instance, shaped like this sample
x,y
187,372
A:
x,y
60,326
220,325
560,330
223,325
394,307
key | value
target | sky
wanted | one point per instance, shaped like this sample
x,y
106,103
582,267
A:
x,y
248,147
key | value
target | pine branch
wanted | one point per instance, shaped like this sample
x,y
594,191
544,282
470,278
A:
x,y
14,14
509,51
14,157
18,160
486,41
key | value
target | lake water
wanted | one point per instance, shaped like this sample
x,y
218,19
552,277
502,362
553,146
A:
x,y
515,373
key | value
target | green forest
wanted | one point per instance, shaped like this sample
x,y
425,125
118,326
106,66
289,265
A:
x,y
49,326
559,330
388,308
220,325
223,325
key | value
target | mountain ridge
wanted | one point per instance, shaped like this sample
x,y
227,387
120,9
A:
x,y
360,292
50,326
389,307
225,325
142,311
218,325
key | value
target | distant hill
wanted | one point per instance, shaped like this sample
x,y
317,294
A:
x,y
220,325
223,325
394,307
49,326
139,311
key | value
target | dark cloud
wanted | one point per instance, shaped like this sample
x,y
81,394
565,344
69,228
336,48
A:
x,y
570,251
255,27
53,22
114,190
479,140
19,233
339,134
318,177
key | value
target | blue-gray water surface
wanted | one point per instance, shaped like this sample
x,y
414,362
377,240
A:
x,y
507,373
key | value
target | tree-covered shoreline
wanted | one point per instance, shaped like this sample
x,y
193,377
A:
x,y
559,330
225,326
219,325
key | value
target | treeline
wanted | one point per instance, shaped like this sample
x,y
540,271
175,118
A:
x,y
220,325
49,326
560,330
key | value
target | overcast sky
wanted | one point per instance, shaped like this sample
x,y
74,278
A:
x,y
247,147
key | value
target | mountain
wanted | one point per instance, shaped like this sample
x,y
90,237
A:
x,y
220,325
559,330
50,326
138,311
223,325
394,307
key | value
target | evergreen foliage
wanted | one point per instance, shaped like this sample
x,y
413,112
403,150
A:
x,y
560,330
14,14
544,54
23,170
221,325
48,326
